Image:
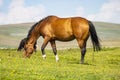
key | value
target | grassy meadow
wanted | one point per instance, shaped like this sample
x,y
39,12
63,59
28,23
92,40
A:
x,y
105,65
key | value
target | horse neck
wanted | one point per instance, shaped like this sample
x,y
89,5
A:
x,y
33,34
33,38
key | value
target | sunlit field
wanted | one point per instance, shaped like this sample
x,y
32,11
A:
x,y
105,65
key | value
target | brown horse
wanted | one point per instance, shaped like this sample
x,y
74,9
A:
x,y
54,28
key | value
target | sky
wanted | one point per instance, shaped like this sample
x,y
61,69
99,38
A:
x,y
22,11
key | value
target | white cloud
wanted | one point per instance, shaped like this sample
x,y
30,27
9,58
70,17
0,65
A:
x,y
109,12
19,13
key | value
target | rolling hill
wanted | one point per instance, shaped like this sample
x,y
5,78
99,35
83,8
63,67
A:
x,y
11,34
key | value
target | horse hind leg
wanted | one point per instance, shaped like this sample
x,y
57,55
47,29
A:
x,y
82,45
53,45
83,52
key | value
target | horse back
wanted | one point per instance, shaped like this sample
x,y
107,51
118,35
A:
x,y
65,28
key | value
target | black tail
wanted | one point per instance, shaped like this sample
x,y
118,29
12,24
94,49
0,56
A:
x,y
94,37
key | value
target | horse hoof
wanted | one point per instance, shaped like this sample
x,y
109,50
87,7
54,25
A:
x,y
44,56
57,60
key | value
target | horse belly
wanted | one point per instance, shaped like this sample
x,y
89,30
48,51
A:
x,y
65,36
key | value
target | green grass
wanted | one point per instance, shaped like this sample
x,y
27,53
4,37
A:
x,y
105,66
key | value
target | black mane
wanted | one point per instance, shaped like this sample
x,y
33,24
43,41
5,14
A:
x,y
22,44
32,28
29,32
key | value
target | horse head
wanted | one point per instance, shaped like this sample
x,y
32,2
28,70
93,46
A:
x,y
28,50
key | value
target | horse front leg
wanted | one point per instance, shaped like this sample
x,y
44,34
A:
x,y
53,45
46,40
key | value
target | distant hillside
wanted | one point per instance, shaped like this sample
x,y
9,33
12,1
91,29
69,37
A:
x,y
10,35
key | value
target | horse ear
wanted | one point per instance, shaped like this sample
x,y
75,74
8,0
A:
x,y
22,44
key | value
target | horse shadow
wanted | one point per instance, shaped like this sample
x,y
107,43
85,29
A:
x,y
77,62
